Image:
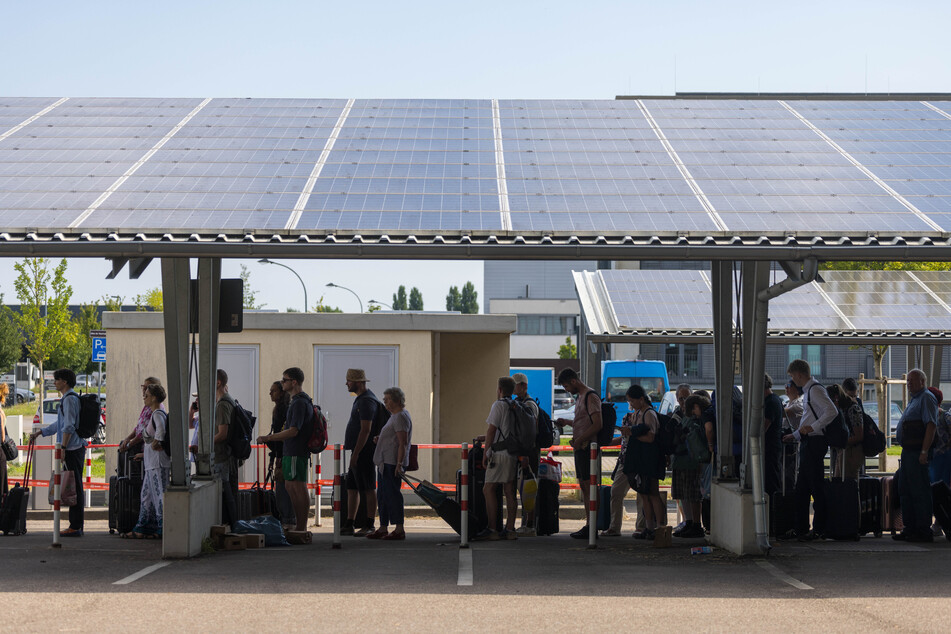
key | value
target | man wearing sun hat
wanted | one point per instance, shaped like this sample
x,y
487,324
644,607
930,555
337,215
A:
x,y
367,418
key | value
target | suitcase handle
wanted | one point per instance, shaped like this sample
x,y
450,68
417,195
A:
x,y
28,465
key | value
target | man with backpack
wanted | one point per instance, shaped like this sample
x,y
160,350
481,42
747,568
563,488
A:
x,y
298,428
585,427
74,447
225,468
367,418
529,463
499,463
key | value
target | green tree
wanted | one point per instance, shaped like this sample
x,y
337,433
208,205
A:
x,y
469,303
454,300
886,266
11,343
250,296
44,319
113,303
78,355
150,300
399,299
415,299
568,350
374,308
321,307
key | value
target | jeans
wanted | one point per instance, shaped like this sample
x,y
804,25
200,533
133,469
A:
x,y
389,500
809,483
73,461
940,468
229,509
914,490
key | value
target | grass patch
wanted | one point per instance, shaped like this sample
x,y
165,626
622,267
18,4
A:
x,y
893,451
23,409
98,466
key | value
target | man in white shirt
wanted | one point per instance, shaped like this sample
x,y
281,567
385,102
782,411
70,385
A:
x,y
818,410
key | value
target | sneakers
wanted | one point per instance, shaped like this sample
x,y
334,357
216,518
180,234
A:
x,y
487,534
525,531
363,532
609,533
691,531
642,535
811,536
71,532
682,527
508,535
347,528
581,534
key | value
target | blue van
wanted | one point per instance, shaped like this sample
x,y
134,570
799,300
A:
x,y
618,376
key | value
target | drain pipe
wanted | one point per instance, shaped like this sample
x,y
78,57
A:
x,y
795,279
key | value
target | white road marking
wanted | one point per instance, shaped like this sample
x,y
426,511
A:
x,y
465,567
782,576
141,573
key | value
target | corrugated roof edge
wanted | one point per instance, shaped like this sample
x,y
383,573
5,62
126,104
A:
x,y
795,96
670,246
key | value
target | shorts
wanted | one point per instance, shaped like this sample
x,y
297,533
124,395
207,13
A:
x,y
501,468
685,485
583,465
363,476
294,468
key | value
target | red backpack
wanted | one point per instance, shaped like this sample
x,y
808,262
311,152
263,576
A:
x,y
318,437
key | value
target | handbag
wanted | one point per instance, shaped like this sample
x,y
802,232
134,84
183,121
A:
x,y
837,431
549,469
413,458
67,489
10,449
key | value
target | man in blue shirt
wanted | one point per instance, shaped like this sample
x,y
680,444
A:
x,y
74,447
915,434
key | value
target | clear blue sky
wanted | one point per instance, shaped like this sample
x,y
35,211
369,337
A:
x,y
512,49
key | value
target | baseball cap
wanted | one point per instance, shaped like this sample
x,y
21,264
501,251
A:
x,y
518,377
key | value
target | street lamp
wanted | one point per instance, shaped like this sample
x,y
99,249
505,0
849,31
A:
x,y
373,301
332,285
266,261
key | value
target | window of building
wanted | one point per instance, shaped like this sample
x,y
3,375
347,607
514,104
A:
x,y
812,355
551,325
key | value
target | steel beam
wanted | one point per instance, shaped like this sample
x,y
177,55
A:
x,y
721,279
175,302
209,283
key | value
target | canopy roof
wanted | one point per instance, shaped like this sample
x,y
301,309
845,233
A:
x,y
659,178
853,307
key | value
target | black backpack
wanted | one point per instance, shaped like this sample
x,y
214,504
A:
x,y
167,440
608,422
521,440
873,440
668,433
240,431
545,437
90,415
837,431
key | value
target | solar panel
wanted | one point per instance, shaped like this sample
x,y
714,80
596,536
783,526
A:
x,y
398,165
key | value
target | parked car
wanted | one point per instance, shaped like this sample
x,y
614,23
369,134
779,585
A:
x,y
668,403
51,415
563,400
894,413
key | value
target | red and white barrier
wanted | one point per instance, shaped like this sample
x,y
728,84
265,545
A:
x,y
464,498
593,497
337,489
57,474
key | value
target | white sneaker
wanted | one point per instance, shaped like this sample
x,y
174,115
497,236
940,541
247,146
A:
x,y
525,531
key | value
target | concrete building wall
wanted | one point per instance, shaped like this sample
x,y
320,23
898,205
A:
x,y
466,365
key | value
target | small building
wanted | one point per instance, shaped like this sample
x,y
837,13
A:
x,y
447,365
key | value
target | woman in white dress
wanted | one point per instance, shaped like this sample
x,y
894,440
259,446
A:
x,y
157,466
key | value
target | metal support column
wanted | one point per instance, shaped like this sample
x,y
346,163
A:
x,y
175,300
209,284
590,355
934,379
755,279
722,283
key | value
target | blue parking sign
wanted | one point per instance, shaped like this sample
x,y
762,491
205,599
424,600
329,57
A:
x,y
99,349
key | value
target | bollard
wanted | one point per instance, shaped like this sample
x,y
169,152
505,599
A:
x,y
88,476
593,498
57,474
464,500
337,488
318,521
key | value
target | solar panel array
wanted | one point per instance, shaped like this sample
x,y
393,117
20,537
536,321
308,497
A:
x,y
863,301
476,166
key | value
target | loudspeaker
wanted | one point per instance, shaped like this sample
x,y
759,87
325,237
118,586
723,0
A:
x,y
230,306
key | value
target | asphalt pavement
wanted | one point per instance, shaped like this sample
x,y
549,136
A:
x,y
103,583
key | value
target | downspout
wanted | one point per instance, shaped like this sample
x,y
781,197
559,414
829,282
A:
x,y
808,273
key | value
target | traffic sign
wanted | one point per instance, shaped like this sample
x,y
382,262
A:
x,y
97,333
98,349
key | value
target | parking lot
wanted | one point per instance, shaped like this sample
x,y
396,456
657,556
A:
x,y
427,583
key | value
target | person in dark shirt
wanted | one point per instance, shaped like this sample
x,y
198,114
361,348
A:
x,y
282,401
773,449
366,421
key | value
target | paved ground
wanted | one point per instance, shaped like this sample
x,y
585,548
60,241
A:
x,y
541,584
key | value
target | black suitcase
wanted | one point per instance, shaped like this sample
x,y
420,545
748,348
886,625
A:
x,y
782,509
128,500
941,499
17,500
604,508
360,521
842,509
546,507
113,510
244,504
891,505
264,500
871,498
128,467
478,518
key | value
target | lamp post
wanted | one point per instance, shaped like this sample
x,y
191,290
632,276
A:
x,y
373,301
266,261
332,285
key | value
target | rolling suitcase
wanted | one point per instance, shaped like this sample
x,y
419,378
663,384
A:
x,y
128,467
546,508
477,512
870,506
245,505
17,500
842,507
604,508
941,499
891,506
782,510
113,510
128,499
